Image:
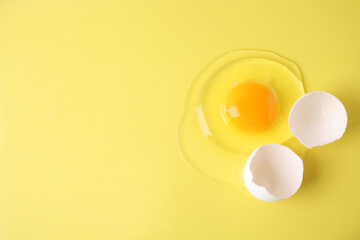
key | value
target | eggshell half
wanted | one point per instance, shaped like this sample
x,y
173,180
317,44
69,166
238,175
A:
x,y
273,172
318,118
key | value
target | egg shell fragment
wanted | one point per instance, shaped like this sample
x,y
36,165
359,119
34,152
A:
x,y
273,172
318,118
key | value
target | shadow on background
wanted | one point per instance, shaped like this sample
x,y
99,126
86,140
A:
x,y
310,170
352,107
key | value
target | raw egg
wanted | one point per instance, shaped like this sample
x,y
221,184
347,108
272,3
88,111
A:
x,y
253,101
240,102
246,103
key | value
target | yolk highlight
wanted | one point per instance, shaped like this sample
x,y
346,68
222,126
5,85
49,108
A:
x,y
252,106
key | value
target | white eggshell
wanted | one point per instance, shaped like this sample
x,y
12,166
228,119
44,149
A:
x,y
317,118
273,172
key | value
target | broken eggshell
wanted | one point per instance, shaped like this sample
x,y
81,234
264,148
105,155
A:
x,y
273,172
317,118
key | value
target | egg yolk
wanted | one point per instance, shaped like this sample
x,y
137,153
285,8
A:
x,y
252,106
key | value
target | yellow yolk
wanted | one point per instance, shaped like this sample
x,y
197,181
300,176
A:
x,y
252,106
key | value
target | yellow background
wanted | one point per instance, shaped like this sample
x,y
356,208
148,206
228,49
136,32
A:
x,y
92,91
